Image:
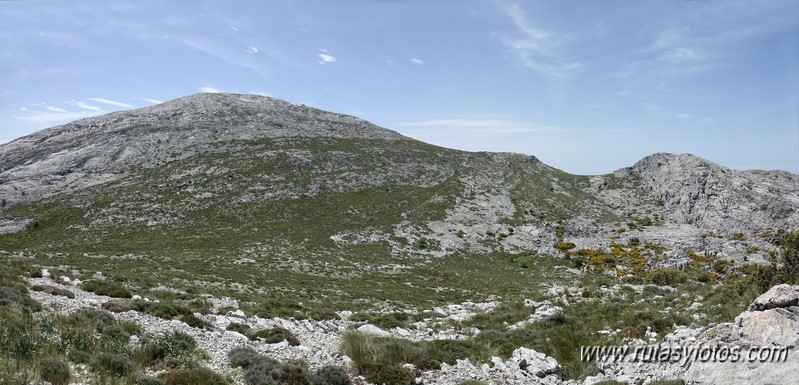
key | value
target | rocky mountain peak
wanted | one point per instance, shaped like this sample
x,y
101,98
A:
x,y
700,192
95,150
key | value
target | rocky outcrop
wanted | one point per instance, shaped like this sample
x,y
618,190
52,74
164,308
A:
x,y
696,191
525,366
758,348
766,336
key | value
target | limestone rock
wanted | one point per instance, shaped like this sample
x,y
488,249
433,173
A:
x,y
783,295
373,330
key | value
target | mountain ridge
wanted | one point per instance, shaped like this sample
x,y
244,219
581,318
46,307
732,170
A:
x,y
243,175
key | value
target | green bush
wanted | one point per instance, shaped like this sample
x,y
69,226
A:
x,y
115,333
115,290
239,328
197,376
331,375
292,374
91,285
172,344
123,305
52,290
275,335
94,318
80,356
472,382
244,357
264,372
389,375
113,364
54,371
194,321
167,310
667,277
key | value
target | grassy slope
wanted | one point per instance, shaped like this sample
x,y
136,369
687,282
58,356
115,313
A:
x,y
275,204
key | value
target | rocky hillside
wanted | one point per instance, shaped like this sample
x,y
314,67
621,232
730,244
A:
x,y
245,179
493,265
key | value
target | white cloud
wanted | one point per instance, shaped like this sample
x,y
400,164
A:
x,y
111,102
54,109
325,57
153,101
209,90
685,54
86,106
24,109
54,118
252,50
535,48
234,29
416,60
486,125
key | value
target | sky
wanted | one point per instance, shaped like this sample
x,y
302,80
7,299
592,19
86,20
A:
x,y
587,86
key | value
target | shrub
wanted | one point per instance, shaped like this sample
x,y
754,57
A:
x,y
292,374
112,289
194,321
91,285
97,319
54,371
244,357
472,382
389,375
331,375
275,335
197,376
167,310
115,333
263,372
667,277
52,290
565,246
113,364
239,328
80,356
123,305
173,344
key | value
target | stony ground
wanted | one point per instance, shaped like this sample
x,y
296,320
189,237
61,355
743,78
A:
x,y
320,341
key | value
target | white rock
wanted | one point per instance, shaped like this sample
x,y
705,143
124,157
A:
x,y
373,330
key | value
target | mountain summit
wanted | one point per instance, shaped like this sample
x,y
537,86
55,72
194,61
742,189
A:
x,y
96,150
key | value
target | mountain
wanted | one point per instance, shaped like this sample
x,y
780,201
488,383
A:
x,y
210,183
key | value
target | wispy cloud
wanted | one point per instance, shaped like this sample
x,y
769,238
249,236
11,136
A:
x,y
153,101
86,106
535,47
54,118
111,102
209,90
416,60
487,125
251,50
54,109
325,57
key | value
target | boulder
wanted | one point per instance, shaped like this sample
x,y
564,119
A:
x,y
373,330
779,296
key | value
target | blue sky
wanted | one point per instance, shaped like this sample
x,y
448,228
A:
x,y
588,86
